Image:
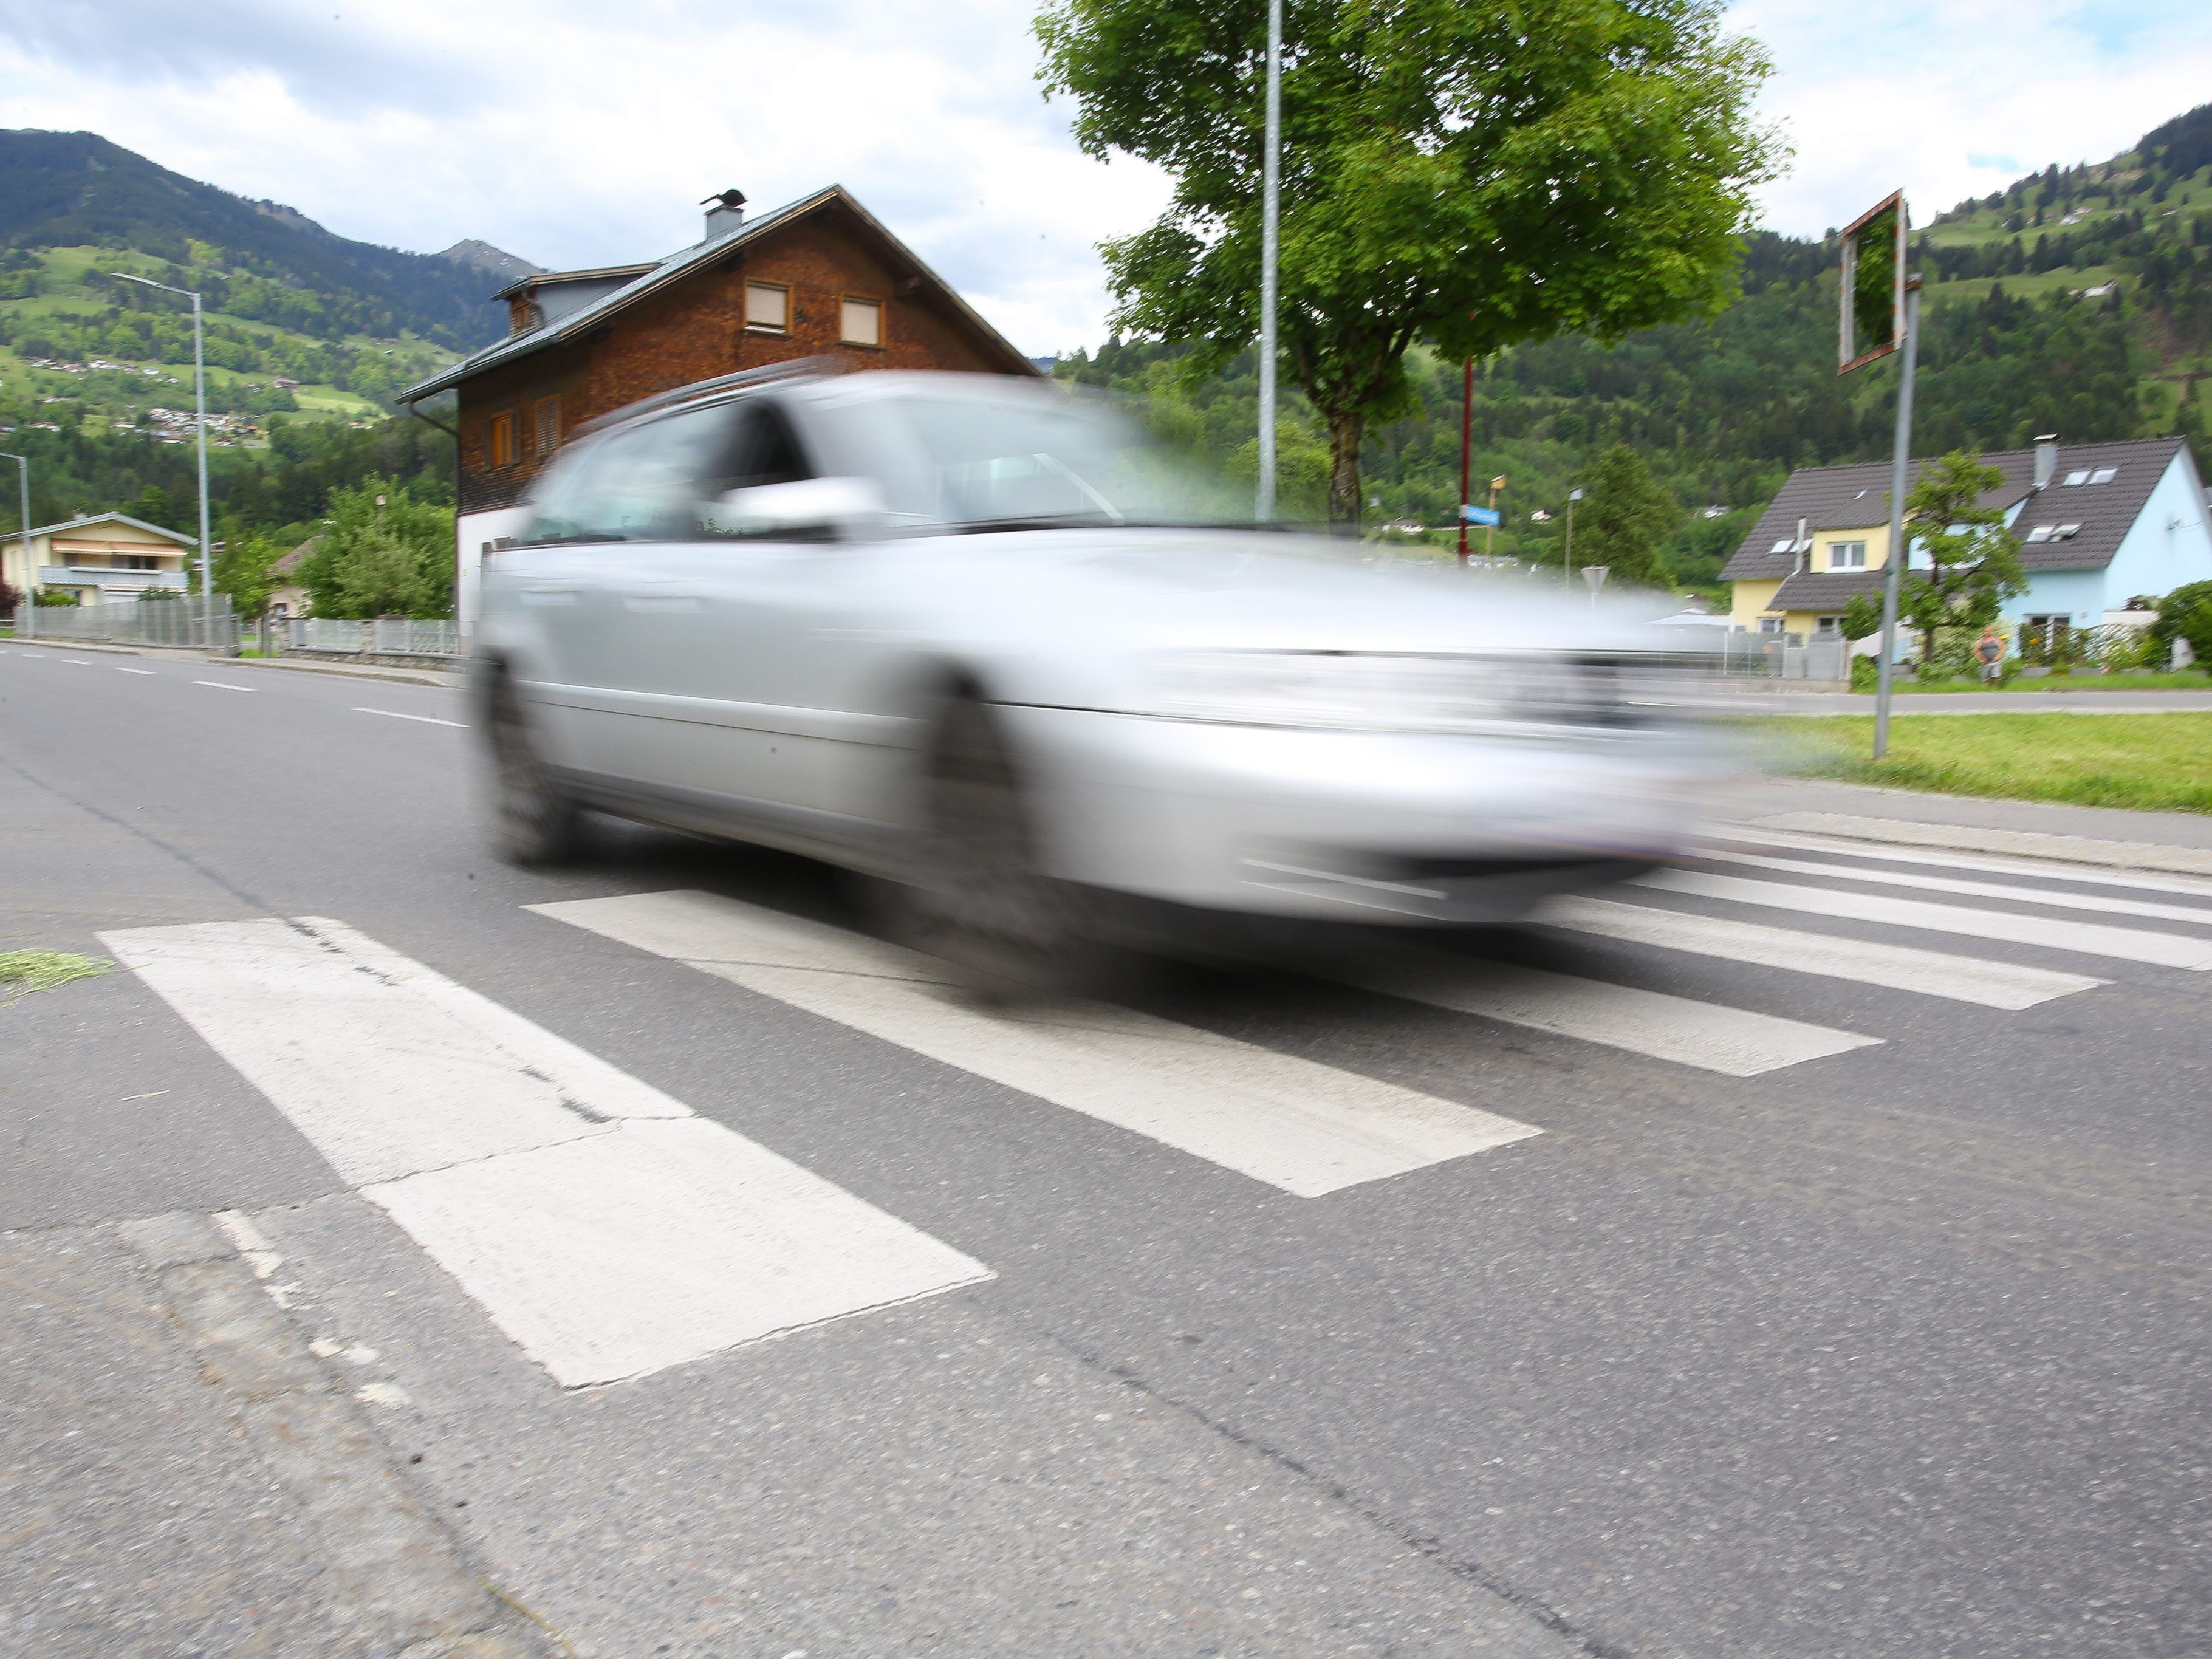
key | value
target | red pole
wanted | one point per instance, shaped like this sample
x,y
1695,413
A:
x,y
1466,451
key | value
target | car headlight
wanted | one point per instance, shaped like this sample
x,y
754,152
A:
x,y
1373,691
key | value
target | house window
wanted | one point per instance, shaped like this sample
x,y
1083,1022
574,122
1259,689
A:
x,y
863,323
2104,475
549,425
499,441
2075,480
1770,624
1847,556
767,308
1827,628
134,562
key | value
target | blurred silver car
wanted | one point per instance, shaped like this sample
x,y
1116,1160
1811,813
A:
x,y
982,639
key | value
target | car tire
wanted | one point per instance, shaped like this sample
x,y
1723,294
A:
x,y
974,895
534,822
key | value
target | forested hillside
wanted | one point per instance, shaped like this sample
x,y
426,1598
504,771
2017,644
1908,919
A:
x,y
261,262
2018,340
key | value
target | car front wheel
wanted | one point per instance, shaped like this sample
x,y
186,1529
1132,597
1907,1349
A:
x,y
534,822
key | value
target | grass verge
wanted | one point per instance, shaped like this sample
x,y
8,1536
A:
x,y
2189,679
2151,762
41,970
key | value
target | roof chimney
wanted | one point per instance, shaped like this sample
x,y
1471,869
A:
x,y
2046,457
725,213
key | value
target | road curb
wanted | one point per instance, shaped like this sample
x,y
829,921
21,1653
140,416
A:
x,y
396,676
401,1581
2019,844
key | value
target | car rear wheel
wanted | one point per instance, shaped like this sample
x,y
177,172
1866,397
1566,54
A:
x,y
974,895
533,820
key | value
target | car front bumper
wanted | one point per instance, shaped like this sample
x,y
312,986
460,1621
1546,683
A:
x,y
1353,826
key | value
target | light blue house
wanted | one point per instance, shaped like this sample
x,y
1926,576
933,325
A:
x,y
2102,526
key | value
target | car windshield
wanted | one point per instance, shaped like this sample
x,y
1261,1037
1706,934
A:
x,y
1010,463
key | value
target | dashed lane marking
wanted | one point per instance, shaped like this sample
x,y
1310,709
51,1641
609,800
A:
x,y
223,685
426,720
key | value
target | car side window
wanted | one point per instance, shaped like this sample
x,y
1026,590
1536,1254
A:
x,y
649,482
763,450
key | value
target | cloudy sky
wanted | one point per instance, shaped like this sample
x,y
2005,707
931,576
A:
x,y
578,133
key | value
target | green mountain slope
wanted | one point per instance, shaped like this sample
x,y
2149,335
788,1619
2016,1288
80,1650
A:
x,y
2018,339
76,189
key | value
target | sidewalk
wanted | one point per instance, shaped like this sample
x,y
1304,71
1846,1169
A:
x,y
1967,702
2176,841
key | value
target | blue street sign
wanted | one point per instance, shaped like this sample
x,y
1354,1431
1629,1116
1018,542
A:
x,y
1481,515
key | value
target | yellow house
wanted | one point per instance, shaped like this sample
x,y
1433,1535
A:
x,y
104,559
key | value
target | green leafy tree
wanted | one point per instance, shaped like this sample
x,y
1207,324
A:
x,y
381,553
241,570
1973,561
1625,515
1863,616
2185,614
1471,176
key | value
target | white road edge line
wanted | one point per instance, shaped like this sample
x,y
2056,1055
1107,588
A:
x,y
1898,967
1734,1042
426,720
603,1226
78,662
222,685
2048,933
1307,1128
135,670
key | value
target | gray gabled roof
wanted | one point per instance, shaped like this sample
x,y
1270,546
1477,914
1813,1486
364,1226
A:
x,y
1858,498
677,266
555,278
115,518
1826,590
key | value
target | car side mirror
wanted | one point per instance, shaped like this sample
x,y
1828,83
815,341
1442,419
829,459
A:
x,y
845,510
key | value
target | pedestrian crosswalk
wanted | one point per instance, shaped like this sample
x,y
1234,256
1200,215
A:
x,y
610,1231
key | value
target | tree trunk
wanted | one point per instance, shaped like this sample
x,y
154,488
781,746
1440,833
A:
x,y
1345,430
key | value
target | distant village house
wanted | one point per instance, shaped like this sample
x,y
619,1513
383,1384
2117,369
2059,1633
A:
x,y
107,558
2100,524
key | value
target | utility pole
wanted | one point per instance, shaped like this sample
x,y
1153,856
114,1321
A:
x,y
199,394
1490,530
1894,564
1465,447
1271,174
26,623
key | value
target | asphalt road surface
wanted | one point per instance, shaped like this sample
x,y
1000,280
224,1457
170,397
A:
x,y
1803,1254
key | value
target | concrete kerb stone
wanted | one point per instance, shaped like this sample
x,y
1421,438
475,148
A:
x,y
395,675
401,1581
2019,844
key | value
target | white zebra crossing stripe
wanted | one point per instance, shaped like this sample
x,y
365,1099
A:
x,y
2084,938
2054,897
1898,967
1735,1041
601,1225
1308,1128
2046,869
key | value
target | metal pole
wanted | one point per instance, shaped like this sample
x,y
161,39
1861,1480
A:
x,y
1271,175
27,624
1567,558
199,387
1900,457
1466,450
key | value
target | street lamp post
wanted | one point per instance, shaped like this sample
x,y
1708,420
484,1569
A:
x,y
28,622
1567,558
199,396
1270,189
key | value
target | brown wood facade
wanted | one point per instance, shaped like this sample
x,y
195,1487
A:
x,y
514,414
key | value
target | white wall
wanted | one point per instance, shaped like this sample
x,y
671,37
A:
x,y
471,532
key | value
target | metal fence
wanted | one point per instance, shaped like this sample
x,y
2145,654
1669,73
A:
x,y
407,636
189,623
1784,657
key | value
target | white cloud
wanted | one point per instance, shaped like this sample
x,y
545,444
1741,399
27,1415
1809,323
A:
x,y
1950,98
583,135
579,132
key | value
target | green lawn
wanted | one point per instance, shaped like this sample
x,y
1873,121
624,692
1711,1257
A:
x,y
2189,679
2153,762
